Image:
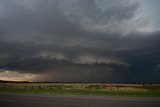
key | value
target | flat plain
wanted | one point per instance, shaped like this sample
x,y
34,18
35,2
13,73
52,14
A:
x,y
95,89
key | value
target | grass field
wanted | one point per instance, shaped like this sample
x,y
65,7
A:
x,y
145,90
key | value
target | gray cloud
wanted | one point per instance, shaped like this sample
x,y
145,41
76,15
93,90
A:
x,y
80,40
99,12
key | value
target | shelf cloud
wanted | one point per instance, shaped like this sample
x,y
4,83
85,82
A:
x,y
80,40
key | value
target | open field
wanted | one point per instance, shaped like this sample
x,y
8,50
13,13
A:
x,y
152,90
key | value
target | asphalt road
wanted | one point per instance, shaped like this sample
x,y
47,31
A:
x,y
48,100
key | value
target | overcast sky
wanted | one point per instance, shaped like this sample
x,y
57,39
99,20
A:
x,y
80,40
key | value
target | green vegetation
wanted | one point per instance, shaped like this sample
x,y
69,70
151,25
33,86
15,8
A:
x,y
152,90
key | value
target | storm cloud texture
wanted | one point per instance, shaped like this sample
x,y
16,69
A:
x,y
81,40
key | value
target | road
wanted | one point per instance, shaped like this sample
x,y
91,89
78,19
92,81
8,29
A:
x,y
49,100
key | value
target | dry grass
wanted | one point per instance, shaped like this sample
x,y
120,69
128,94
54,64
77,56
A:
x,y
87,86
84,88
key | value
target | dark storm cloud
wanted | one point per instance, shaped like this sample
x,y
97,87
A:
x,y
78,40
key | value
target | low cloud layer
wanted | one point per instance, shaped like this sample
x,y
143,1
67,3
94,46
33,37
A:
x,y
79,40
